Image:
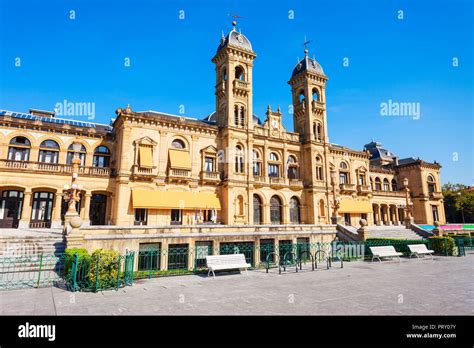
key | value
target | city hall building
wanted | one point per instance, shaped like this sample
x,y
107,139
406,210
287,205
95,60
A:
x,y
229,168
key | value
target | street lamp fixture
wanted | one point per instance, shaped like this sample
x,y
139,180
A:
x,y
408,215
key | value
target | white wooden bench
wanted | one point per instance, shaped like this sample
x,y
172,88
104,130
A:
x,y
222,262
384,251
420,249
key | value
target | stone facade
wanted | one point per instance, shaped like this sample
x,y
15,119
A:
x,y
258,172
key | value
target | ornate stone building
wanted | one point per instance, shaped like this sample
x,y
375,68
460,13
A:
x,y
151,168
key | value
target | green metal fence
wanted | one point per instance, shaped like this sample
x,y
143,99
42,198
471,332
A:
x,y
30,271
70,271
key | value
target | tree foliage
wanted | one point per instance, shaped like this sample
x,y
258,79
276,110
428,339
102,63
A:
x,y
458,203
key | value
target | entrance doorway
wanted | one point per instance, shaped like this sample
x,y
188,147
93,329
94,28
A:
x,y
98,209
11,203
42,210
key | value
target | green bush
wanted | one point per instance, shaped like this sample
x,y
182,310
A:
x,y
83,256
104,267
442,245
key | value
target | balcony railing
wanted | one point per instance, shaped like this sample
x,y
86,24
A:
x,y
241,85
389,193
143,171
61,169
296,183
276,181
210,176
179,173
436,195
259,179
317,105
363,189
347,187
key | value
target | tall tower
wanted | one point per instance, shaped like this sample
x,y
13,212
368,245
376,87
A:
x,y
234,62
308,89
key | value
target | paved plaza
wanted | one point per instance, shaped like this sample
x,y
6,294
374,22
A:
x,y
443,286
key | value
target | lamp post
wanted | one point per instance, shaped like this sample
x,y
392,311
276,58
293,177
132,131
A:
x,y
72,193
335,203
408,216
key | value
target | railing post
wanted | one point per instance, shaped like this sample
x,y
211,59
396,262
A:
x,y
74,272
118,272
39,273
151,263
97,273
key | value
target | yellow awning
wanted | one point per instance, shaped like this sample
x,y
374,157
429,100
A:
x,y
180,159
349,205
146,159
174,200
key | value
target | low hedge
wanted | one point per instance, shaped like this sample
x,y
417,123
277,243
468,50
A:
x,y
104,267
442,245
400,245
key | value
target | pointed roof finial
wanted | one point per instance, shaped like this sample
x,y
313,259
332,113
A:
x,y
279,110
305,44
268,108
234,24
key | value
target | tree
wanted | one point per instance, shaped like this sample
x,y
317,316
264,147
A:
x,y
458,202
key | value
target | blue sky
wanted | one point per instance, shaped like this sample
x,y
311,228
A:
x,y
408,60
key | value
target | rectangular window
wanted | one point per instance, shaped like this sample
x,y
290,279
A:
x,y
292,173
434,210
176,216
141,216
361,180
267,247
209,164
303,249
343,178
285,251
273,171
149,256
202,250
256,168
178,256
246,248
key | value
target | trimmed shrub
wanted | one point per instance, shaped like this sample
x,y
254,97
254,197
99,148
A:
x,y
442,245
83,256
104,267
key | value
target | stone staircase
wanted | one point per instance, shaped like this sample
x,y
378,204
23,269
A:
x,y
31,243
395,232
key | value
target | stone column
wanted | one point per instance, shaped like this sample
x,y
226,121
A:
x,y
26,210
58,201
87,207
379,216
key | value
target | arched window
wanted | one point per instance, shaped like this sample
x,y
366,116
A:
x,y
242,116
82,155
239,73
318,135
236,116
301,96
101,157
224,74
273,165
292,165
394,185
19,149
431,184
386,185
294,210
48,152
315,94
257,210
319,168
378,184
257,163
240,205
322,212
239,159
275,210
343,173
178,144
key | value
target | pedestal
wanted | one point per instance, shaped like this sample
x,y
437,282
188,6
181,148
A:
x,y
408,222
